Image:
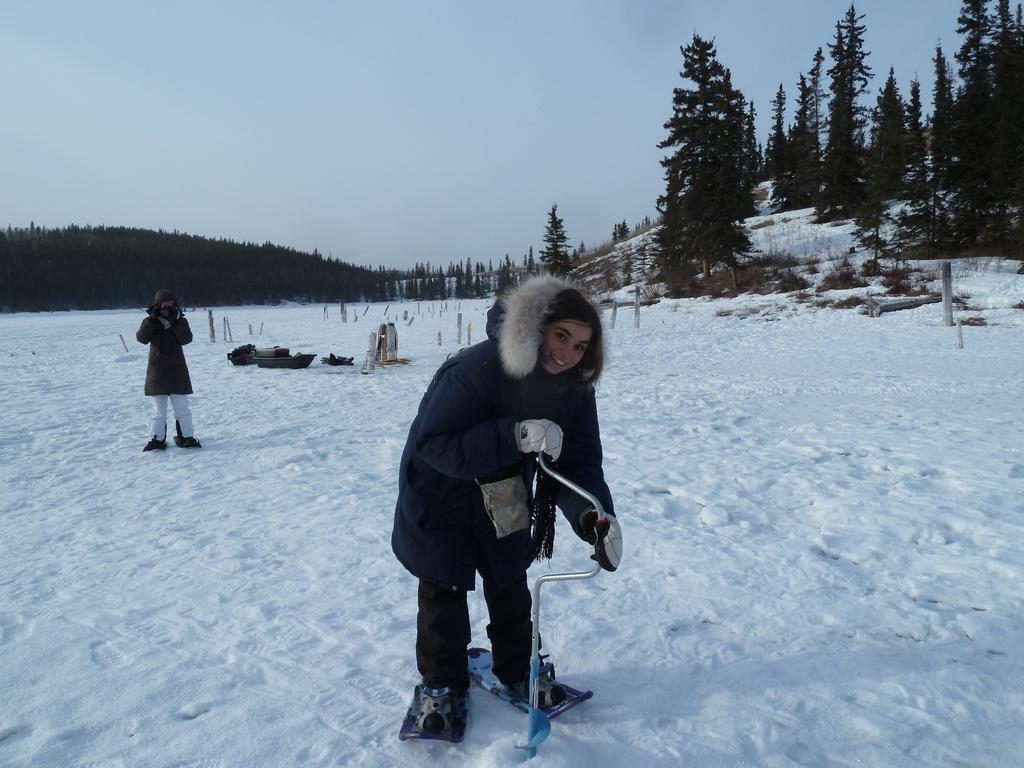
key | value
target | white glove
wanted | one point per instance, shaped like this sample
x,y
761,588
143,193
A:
x,y
536,435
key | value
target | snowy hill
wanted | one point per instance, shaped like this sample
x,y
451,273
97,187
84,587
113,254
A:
x,y
823,515
803,261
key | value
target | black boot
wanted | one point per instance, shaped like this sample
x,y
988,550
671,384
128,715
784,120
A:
x,y
184,442
155,445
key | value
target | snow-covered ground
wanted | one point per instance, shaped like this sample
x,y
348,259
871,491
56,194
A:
x,y
823,517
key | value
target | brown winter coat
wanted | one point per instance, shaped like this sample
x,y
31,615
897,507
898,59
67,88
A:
x,y
167,373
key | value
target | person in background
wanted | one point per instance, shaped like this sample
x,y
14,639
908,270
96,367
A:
x,y
465,503
166,331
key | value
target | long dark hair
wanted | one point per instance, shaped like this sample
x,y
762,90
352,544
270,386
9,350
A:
x,y
570,304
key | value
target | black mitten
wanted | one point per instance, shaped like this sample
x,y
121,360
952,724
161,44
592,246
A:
x,y
605,534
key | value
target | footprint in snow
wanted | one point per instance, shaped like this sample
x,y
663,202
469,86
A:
x,y
193,711
106,655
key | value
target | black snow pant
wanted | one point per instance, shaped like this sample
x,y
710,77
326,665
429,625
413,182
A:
x,y
443,634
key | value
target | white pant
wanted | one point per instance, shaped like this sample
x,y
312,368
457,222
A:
x,y
181,413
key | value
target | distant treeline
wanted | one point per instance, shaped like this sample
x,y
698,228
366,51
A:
x,y
119,267
111,267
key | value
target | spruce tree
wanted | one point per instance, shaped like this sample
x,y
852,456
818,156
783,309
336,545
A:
x,y
801,178
884,166
555,255
1008,108
816,113
706,192
941,153
751,150
842,188
972,127
775,153
917,219
889,136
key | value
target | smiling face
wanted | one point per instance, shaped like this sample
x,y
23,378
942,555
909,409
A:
x,y
565,342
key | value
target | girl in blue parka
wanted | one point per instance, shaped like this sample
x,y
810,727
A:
x,y
466,474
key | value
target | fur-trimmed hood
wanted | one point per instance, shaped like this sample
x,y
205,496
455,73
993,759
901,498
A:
x,y
516,322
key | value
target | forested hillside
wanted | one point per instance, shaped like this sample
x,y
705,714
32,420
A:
x,y
102,267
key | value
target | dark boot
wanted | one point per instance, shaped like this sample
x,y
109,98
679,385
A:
x,y
184,442
155,445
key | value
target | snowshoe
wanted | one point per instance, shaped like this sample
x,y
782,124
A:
x,y
481,671
435,713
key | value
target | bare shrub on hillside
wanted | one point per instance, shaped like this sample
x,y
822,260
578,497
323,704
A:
x,y
871,268
841,277
898,278
682,282
789,280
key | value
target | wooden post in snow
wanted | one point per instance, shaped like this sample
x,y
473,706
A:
x,y
250,329
469,334
458,330
371,354
947,293
213,333
615,310
959,334
636,311
439,338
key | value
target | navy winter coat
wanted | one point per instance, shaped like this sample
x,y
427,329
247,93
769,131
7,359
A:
x,y
465,432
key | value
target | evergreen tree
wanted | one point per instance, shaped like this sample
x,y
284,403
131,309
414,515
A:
x,y
941,153
972,127
842,189
801,179
751,150
554,255
817,118
887,151
775,165
884,167
706,193
1008,108
917,220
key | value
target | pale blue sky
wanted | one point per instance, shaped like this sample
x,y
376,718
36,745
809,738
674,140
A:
x,y
386,131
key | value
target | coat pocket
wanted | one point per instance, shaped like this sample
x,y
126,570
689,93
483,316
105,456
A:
x,y
506,504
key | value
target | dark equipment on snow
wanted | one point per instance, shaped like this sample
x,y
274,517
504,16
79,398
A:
x,y
243,355
333,359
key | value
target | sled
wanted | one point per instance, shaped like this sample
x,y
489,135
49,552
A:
x,y
297,360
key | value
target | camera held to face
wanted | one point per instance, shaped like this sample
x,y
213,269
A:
x,y
165,310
